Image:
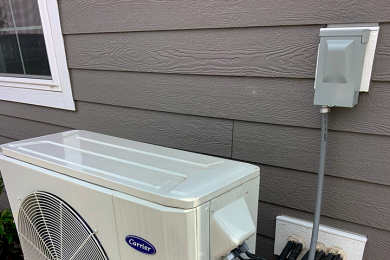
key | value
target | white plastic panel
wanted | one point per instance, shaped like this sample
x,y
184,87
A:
x,y
230,227
352,244
93,203
166,176
250,192
171,231
203,231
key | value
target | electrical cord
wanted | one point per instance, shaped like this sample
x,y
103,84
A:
x,y
244,249
337,257
296,251
318,256
253,256
329,256
286,250
306,256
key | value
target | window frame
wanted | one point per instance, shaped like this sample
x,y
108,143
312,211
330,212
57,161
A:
x,y
56,92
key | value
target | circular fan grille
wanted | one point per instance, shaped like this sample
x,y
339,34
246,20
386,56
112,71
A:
x,y
51,229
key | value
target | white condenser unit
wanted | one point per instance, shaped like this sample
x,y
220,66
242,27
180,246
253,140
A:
x,y
79,195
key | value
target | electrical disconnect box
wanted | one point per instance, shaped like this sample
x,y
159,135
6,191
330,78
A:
x,y
344,64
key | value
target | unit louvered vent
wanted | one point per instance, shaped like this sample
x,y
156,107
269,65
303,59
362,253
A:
x,y
51,229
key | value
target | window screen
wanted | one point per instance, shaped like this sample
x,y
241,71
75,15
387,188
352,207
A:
x,y
22,44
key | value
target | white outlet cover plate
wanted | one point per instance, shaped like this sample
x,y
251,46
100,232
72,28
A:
x,y
352,244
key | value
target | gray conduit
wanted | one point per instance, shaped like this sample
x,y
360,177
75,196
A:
x,y
317,214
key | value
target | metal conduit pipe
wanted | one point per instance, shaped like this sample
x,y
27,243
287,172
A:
x,y
317,214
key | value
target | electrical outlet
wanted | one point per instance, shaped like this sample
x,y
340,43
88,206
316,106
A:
x,y
351,243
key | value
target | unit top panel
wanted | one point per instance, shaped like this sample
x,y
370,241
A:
x,y
162,175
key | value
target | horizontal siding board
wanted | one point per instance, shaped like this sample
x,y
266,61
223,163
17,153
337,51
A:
x,y
381,69
350,155
265,247
349,200
266,100
257,52
198,134
271,100
266,52
4,140
18,128
378,242
94,16
368,116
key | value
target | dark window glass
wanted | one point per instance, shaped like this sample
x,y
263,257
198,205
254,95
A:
x,y
22,44
33,48
10,61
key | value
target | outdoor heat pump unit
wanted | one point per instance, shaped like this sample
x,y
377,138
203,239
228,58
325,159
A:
x,y
82,195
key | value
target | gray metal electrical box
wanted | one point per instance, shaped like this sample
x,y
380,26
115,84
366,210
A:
x,y
340,66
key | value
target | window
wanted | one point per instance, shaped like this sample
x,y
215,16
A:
x,y
33,66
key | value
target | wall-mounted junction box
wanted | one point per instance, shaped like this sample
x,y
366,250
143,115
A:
x,y
344,64
351,243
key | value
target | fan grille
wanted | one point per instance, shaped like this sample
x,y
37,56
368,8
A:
x,y
50,229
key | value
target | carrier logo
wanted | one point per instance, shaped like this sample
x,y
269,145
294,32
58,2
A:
x,y
141,245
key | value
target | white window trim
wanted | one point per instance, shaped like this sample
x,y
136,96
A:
x,y
56,92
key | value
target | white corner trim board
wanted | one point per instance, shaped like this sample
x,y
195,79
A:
x,y
369,59
352,244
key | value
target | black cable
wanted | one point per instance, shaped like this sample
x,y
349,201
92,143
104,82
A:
x,y
286,251
296,251
337,257
243,248
329,256
319,255
253,256
306,256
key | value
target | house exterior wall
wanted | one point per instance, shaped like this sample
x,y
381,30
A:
x,y
232,79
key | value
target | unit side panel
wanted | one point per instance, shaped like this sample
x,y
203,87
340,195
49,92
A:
x,y
171,231
91,202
